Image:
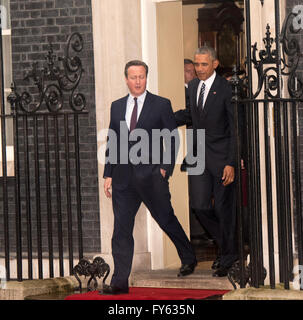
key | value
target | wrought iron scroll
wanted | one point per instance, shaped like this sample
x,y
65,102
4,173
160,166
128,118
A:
x,y
235,274
53,81
276,66
291,57
56,97
266,57
266,62
97,268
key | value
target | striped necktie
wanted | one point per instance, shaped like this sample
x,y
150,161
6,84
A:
x,y
201,97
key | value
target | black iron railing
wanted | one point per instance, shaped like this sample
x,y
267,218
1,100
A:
x,y
282,89
42,210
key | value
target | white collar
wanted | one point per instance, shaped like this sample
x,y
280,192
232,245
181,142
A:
x,y
141,97
208,82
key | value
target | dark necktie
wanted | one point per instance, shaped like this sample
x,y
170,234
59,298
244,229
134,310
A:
x,y
201,97
133,120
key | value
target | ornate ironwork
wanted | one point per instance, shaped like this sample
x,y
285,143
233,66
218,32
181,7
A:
x,y
234,274
266,57
239,85
53,81
97,268
291,56
276,66
266,62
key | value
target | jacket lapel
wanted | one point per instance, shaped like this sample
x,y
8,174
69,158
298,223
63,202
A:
x,y
194,98
211,97
145,110
122,110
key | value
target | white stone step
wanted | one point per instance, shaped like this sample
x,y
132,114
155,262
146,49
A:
x,y
167,278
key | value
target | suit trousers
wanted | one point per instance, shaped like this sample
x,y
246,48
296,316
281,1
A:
x,y
220,222
154,193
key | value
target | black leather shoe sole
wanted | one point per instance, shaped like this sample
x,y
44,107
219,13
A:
x,y
187,269
221,272
110,290
216,264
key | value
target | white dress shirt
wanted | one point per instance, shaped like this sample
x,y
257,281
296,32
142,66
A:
x,y
130,106
208,83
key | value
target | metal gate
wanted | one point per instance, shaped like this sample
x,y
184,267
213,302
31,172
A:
x,y
272,149
41,202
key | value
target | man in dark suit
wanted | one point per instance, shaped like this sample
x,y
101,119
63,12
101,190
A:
x,y
211,109
196,228
189,75
146,180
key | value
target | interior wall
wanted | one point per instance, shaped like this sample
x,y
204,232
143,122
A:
x,y
190,29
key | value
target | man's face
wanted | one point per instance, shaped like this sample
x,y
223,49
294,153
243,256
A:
x,y
136,80
189,72
205,66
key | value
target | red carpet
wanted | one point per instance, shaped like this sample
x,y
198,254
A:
x,y
150,294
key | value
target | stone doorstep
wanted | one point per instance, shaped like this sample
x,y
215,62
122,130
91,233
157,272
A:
x,y
264,293
14,290
200,279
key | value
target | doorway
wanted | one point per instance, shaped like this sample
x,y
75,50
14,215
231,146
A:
x,y
218,24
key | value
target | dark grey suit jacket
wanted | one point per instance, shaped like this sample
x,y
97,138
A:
x,y
217,118
156,114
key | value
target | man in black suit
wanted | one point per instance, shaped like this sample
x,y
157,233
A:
x,y
146,180
196,228
189,75
211,109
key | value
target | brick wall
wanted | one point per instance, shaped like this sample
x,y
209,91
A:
x,y
34,24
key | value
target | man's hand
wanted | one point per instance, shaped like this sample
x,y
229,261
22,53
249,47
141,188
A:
x,y
228,175
242,164
107,186
163,172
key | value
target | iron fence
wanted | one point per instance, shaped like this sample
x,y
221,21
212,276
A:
x,y
272,157
41,202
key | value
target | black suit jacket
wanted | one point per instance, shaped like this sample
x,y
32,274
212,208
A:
x,y
156,114
217,118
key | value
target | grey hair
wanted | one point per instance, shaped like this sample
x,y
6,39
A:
x,y
207,50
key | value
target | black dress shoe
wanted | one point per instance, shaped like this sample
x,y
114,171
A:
x,y
221,272
187,269
112,290
216,264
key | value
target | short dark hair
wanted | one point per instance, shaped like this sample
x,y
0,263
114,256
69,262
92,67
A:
x,y
188,61
135,63
207,50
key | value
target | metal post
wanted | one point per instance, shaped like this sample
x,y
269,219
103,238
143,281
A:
x,y
68,194
38,198
48,198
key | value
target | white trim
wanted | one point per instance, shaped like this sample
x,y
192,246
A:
x,y
149,42
150,56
